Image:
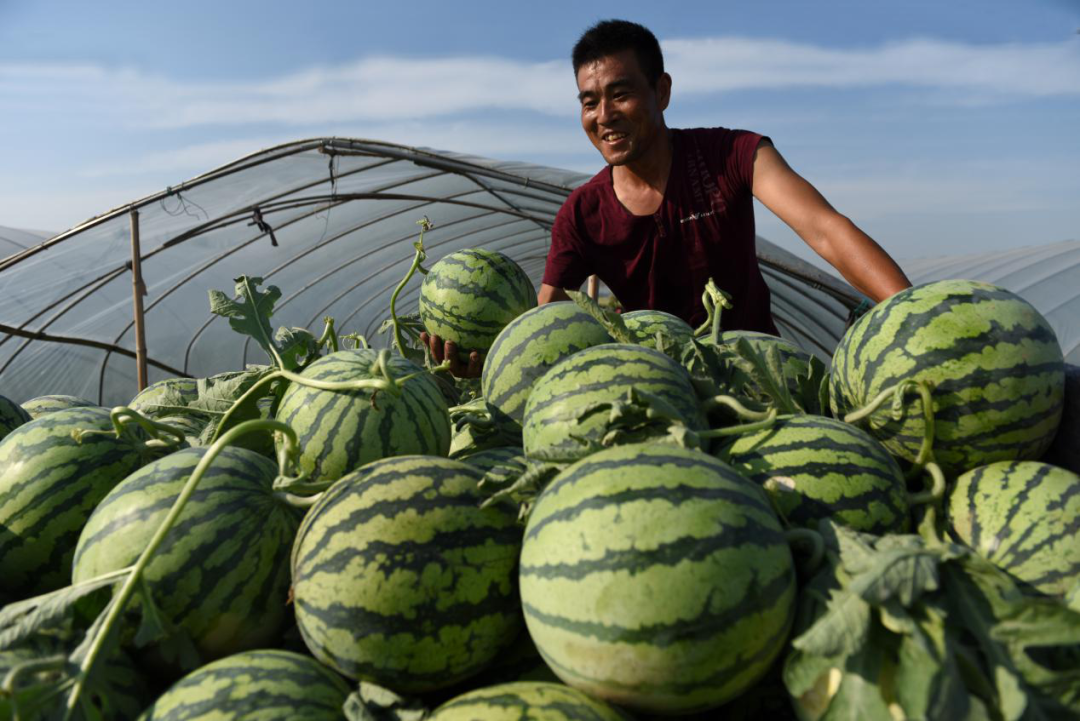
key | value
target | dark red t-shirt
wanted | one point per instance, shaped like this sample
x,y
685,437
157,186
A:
x,y
704,228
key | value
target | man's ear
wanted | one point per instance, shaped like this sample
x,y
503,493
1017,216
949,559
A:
x,y
663,91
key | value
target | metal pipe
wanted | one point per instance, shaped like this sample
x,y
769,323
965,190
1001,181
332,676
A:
x,y
138,291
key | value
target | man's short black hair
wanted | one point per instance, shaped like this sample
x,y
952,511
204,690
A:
x,y
608,37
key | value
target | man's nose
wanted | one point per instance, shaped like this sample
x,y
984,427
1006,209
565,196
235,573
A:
x,y
605,111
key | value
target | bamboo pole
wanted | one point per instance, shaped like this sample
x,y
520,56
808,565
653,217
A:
x,y
139,290
594,287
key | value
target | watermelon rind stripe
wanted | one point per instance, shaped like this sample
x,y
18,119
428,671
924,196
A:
x,y
1023,516
400,578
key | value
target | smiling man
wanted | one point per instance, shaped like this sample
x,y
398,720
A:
x,y
675,207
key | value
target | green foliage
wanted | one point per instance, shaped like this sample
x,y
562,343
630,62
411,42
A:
x,y
933,629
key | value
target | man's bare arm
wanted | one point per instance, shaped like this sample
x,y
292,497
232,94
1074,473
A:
x,y
861,261
549,294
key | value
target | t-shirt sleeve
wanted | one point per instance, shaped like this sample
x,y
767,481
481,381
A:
x,y
566,267
740,159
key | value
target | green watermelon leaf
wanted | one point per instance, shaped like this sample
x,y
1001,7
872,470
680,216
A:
x,y
612,321
249,313
768,374
1031,643
218,393
57,611
297,346
173,643
928,682
860,696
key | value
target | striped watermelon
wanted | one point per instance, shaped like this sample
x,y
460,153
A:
x,y
161,398
1024,517
116,691
400,578
264,684
657,578
49,485
529,345
814,468
339,431
645,324
526,701
994,361
12,415
602,373
470,295
41,405
222,572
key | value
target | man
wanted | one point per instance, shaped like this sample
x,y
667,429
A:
x,y
675,207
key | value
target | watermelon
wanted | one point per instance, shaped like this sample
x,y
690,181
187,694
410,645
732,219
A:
x,y
657,578
469,296
602,374
12,415
526,701
528,346
815,468
994,362
339,431
1024,517
400,578
222,573
645,324
49,485
264,684
41,405
162,398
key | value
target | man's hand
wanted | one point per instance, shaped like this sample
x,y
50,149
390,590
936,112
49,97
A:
x,y
441,351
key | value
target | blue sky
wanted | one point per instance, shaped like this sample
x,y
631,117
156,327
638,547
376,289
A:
x,y
938,127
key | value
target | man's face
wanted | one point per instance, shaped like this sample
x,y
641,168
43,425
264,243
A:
x,y
622,114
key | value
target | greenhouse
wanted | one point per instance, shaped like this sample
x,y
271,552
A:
x,y
873,515
329,221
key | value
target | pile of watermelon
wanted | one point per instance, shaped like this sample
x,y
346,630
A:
x,y
623,518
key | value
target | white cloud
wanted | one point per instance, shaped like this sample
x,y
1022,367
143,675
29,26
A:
x,y
1027,70
383,89
491,139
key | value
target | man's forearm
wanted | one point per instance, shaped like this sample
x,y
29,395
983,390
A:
x,y
861,261
550,294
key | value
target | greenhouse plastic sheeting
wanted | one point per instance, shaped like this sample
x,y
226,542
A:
x,y
1047,276
331,222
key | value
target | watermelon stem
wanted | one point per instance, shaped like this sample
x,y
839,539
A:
x,y
937,488
33,665
297,501
122,416
897,392
120,600
714,300
711,404
815,541
329,337
770,416
419,258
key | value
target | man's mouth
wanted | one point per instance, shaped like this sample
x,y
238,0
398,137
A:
x,y
613,137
